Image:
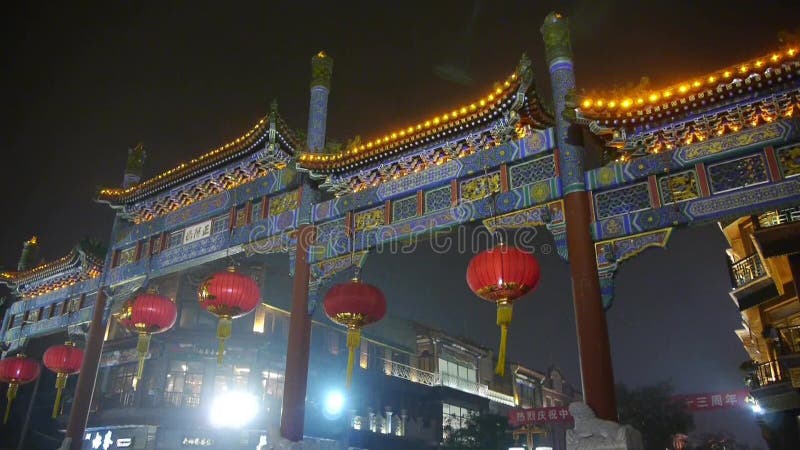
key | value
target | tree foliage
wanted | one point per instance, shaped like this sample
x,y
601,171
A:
x,y
480,432
650,410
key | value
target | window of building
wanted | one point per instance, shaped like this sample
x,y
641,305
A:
x,y
526,393
454,418
33,316
126,256
58,309
255,210
260,318
231,379
455,373
333,341
194,317
121,385
272,385
401,357
184,384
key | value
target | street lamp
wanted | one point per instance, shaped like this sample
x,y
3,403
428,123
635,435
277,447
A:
x,y
233,410
334,403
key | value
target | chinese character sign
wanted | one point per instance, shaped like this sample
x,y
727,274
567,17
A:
x,y
712,401
539,416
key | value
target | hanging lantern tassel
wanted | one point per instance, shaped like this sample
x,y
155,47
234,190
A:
x,y
11,394
61,383
504,313
142,348
353,343
223,333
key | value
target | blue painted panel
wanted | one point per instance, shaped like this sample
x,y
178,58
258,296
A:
x,y
714,149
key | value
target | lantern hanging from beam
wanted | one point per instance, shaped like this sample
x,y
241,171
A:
x,y
354,305
228,295
147,314
64,360
502,275
16,371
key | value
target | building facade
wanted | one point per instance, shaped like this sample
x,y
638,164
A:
x,y
412,384
623,168
764,263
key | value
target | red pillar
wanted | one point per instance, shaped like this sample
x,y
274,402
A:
x,y
590,319
297,352
79,413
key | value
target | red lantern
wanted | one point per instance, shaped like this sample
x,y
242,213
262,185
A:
x,y
17,371
64,360
354,305
228,295
147,314
501,275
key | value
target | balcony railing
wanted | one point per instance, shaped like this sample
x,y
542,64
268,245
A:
x,y
779,217
747,270
181,399
790,339
395,369
123,399
768,373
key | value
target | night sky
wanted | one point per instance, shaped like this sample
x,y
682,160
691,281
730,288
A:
x,y
81,83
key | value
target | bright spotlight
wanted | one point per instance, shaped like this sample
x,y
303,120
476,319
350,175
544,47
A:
x,y
233,410
334,403
757,408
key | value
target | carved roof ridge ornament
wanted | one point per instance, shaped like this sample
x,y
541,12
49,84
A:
x,y
271,125
77,265
514,92
378,170
642,100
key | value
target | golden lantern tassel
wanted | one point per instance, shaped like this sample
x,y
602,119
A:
x,y
353,343
504,313
61,383
223,333
11,394
142,347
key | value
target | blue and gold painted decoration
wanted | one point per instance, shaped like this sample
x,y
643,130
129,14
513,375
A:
x,y
404,208
789,160
628,199
369,219
529,172
528,217
537,142
741,172
678,187
555,32
479,187
611,253
714,149
741,202
438,199
220,203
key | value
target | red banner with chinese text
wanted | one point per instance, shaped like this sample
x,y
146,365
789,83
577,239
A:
x,y
518,417
713,400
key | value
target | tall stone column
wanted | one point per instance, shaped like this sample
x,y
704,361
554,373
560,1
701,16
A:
x,y
298,347
82,401
321,70
590,320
